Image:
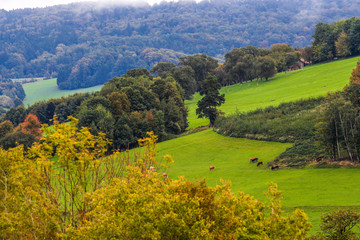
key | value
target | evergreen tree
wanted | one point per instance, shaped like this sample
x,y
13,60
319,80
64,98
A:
x,y
212,99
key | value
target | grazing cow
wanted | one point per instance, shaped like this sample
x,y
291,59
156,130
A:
x,y
318,159
212,168
273,167
252,160
259,163
308,160
165,175
152,169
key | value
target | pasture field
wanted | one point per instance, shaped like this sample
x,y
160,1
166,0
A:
x,y
311,81
47,89
314,190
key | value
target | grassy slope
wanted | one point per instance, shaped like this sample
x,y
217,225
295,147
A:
x,y
44,90
314,190
311,81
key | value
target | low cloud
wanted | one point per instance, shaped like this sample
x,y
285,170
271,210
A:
x,y
18,4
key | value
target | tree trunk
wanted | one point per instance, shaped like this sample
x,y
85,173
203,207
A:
x,y
345,137
337,138
354,139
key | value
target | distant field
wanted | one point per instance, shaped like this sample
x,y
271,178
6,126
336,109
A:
x,y
47,89
309,82
314,190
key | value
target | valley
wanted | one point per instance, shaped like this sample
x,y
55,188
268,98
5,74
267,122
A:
x,y
44,90
131,159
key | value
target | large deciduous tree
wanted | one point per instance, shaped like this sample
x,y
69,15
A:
x,y
265,67
32,126
342,45
185,76
212,99
338,225
307,54
202,65
163,69
355,75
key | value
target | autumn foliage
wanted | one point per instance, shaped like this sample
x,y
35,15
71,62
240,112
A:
x,y
64,187
32,126
355,75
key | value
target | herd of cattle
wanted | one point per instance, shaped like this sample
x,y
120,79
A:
x,y
273,167
253,160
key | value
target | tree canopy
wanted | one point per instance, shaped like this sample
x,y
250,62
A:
x,y
339,38
211,99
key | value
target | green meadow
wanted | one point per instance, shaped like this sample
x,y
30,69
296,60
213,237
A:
x,y
314,190
311,81
47,89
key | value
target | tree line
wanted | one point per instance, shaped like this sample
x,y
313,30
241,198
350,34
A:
x,y
338,39
125,109
339,126
141,100
241,65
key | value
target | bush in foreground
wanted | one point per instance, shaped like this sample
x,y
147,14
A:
x,y
64,188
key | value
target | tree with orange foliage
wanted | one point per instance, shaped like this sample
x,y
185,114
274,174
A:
x,y
32,126
352,91
355,75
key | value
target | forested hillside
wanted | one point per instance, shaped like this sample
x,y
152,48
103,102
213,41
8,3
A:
x,y
87,44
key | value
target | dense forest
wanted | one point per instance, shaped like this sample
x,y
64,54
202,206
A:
x,y
87,44
125,109
338,39
129,106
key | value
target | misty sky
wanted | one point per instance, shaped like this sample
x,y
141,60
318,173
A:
x,y
14,4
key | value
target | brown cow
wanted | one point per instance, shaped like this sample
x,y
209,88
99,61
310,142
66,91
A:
x,y
259,163
273,167
212,168
252,160
318,159
308,160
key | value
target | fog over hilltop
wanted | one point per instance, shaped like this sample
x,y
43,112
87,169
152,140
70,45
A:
x,y
21,4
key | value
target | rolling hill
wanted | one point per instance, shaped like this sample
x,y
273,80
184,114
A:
x,y
109,39
311,81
